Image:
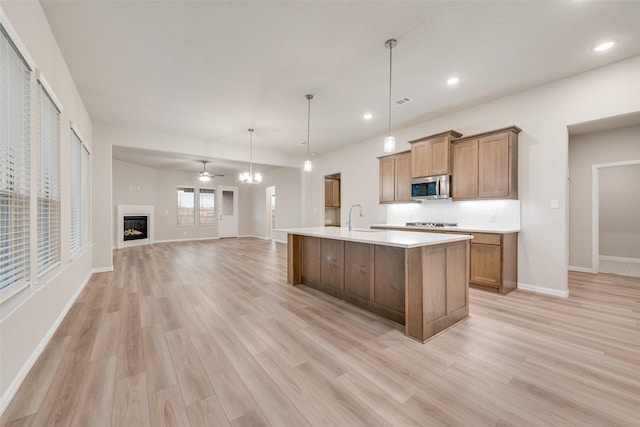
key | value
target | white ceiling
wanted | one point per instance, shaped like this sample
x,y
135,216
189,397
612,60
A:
x,y
211,69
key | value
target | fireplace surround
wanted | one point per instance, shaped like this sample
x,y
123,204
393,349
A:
x,y
134,225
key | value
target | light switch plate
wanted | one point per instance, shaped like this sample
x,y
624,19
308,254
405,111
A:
x,y
554,204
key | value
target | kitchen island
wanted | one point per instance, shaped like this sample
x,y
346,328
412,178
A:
x,y
420,280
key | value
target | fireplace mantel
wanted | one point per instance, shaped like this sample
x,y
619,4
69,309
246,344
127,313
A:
x,y
133,210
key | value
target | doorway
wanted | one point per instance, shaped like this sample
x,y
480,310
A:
x,y
270,211
228,214
332,200
614,214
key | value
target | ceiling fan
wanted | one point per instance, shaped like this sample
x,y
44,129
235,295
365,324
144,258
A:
x,y
204,175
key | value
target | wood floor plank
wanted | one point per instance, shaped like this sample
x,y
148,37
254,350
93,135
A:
x,y
96,394
229,388
159,367
207,412
167,408
166,339
131,402
191,375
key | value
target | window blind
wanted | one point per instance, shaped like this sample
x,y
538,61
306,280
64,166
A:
x,y
75,195
207,206
85,161
48,143
15,112
186,211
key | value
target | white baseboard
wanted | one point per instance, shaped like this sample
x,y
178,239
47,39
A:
x,y
35,354
619,258
102,270
185,240
581,269
543,290
280,241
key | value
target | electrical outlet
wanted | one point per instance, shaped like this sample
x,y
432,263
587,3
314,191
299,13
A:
x,y
492,218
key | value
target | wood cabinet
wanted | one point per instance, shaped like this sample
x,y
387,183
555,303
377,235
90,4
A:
x,y
493,259
331,193
494,262
485,166
395,178
431,155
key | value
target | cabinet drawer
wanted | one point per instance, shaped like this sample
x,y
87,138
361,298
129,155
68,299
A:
x,y
487,239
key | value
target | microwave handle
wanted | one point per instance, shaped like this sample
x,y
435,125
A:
x,y
438,189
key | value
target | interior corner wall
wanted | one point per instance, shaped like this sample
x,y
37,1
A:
x,y
543,113
611,146
29,318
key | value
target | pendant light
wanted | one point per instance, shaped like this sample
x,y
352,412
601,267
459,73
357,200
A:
x,y
308,166
250,177
390,141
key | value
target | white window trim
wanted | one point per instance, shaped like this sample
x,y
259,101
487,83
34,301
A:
x,y
49,91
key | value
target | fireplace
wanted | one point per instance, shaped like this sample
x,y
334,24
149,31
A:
x,y
135,227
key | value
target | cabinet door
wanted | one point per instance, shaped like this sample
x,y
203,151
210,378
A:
x,y
336,193
438,156
493,166
403,177
486,264
419,159
387,179
328,193
464,179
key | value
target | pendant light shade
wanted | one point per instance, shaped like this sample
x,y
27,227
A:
x,y
390,141
308,166
249,177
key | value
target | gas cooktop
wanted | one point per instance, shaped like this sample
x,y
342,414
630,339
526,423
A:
x,y
426,224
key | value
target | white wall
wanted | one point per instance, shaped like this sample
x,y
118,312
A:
x,y
28,319
620,211
139,185
287,183
585,150
543,114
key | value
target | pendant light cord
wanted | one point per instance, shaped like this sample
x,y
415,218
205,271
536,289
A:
x,y
251,152
390,42
309,98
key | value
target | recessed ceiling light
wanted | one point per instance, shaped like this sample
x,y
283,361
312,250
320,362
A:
x,y
367,116
604,46
453,80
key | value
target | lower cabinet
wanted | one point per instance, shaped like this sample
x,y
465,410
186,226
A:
x,y
493,259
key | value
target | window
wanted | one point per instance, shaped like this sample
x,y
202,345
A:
x,y
207,206
80,194
85,163
48,143
186,206
15,112
76,195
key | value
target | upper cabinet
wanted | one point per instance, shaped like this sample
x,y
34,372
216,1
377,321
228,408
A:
x,y
485,166
331,193
395,178
431,155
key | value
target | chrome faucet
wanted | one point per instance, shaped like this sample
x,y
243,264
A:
x,y
350,210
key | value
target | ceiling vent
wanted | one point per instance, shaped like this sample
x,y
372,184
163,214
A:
x,y
402,101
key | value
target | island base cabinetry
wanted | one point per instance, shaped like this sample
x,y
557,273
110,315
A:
x,y
425,288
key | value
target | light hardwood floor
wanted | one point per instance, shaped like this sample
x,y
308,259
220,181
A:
x,y
208,333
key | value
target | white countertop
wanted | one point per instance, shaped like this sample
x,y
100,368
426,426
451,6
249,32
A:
x,y
464,229
400,239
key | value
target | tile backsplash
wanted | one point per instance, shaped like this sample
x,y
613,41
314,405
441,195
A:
x,y
472,214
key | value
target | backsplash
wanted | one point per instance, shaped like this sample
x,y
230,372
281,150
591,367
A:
x,y
472,214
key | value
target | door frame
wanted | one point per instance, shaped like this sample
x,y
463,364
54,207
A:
x,y
595,209
222,188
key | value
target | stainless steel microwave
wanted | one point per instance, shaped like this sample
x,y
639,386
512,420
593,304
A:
x,y
431,187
